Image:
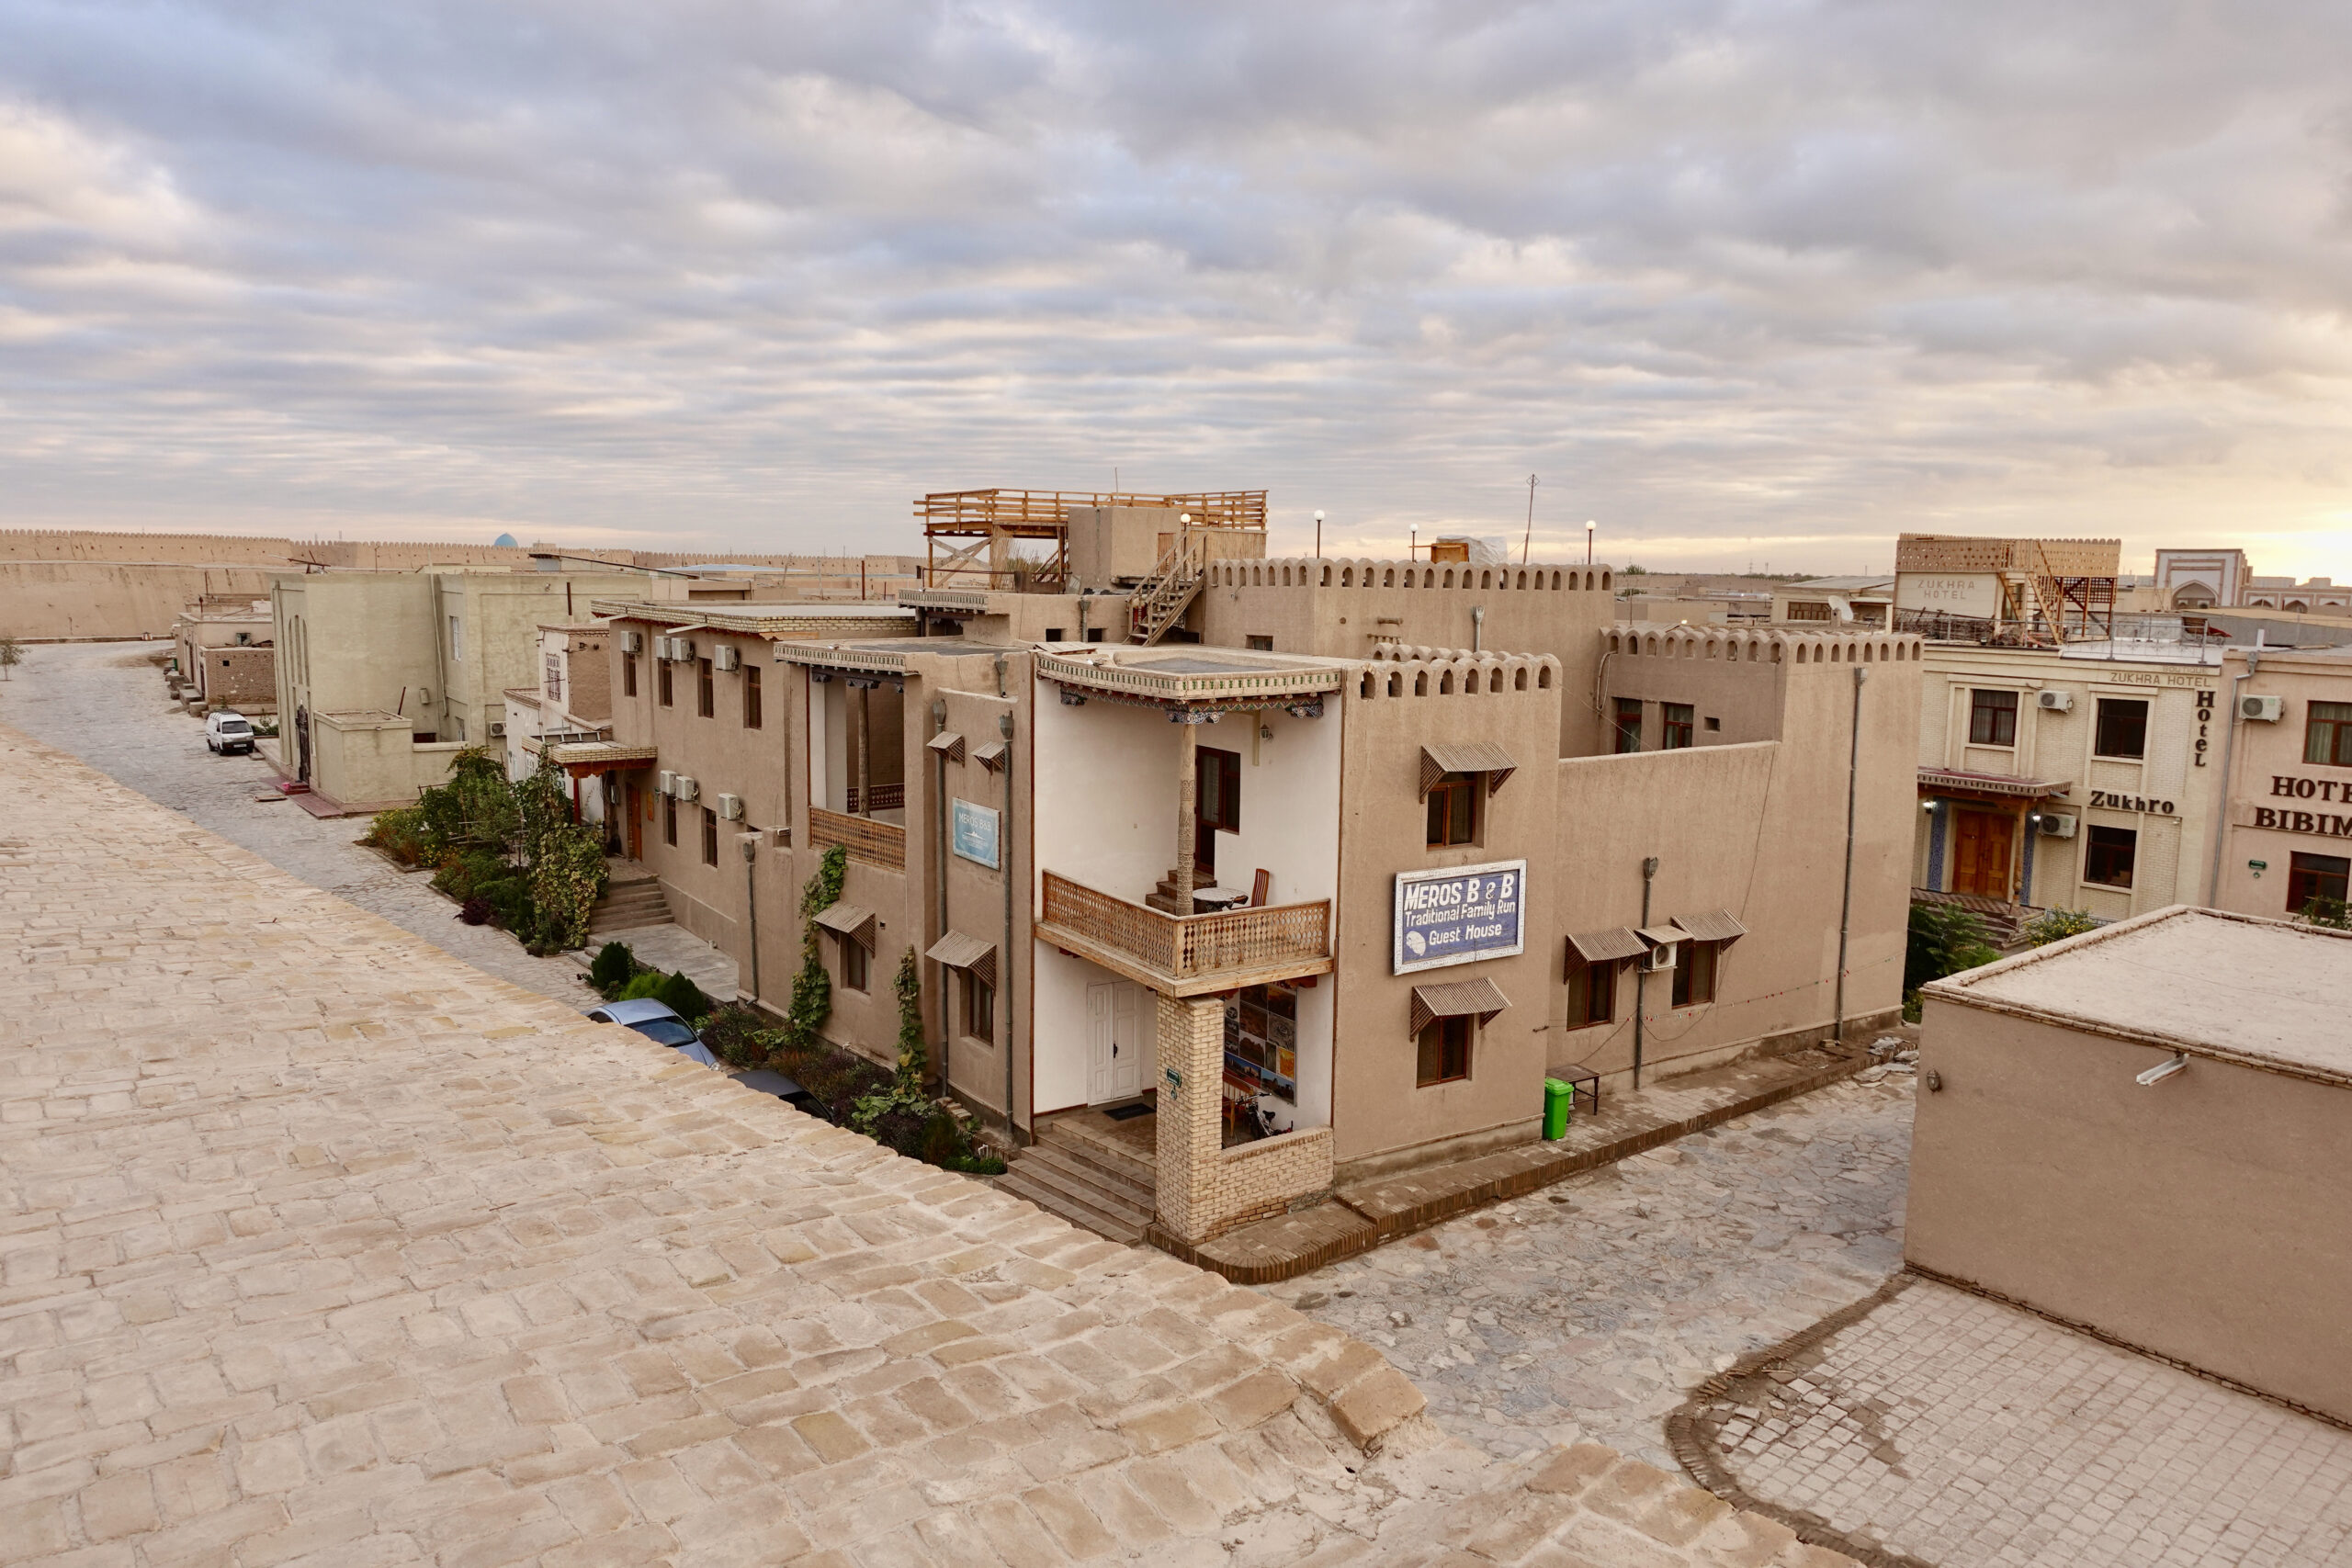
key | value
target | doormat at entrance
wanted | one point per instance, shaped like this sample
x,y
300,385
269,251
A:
x,y
1127,1113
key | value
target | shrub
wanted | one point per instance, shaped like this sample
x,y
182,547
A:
x,y
683,997
2055,925
475,911
643,986
1943,940
2321,910
463,872
613,968
567,876
401,833
742,1036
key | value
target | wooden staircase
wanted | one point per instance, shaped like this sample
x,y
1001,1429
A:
x,y
1089,1176
1163,898
632,901
1160,601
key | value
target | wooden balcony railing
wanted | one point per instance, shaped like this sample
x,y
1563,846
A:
x,y
873,843
886,797
1192,954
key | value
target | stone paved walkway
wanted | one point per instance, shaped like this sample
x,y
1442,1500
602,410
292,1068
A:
x,y
1590,1309
1954,1430
320,1247
105,704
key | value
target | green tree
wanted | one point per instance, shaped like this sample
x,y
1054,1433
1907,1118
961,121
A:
x,y
12,653
2321,910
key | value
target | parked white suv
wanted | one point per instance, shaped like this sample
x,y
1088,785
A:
x,y
226,731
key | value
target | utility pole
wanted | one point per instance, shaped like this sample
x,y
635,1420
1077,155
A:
x,y
1529,542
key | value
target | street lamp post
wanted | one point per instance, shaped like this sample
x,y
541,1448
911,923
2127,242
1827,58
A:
x,y
1588,541
1318,535
1413,544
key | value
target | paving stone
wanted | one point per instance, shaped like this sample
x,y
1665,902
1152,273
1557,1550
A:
x,y
453,1275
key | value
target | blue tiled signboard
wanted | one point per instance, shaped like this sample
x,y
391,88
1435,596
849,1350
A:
x,y
1460,915
974,834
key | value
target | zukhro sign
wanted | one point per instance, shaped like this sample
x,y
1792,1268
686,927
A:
x,y
1457,916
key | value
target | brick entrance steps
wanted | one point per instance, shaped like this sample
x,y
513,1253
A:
x,y
1092,1172
629,904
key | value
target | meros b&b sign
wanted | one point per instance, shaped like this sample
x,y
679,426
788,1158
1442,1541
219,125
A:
x,y
1459,915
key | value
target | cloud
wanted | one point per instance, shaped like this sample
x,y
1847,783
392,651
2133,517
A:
x,y
754,274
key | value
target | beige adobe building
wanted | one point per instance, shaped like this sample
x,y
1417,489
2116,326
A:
x,y
385,676
1186,875
572,702
2168,1176
1840,601
2064,778
224,655
1955,587
2285,835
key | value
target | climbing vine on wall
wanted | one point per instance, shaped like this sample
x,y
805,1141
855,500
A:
x,y
812,988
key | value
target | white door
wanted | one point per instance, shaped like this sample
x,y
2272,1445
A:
x,y
1114,1059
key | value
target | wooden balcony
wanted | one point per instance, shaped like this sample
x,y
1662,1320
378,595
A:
x,y
869,843
1187,955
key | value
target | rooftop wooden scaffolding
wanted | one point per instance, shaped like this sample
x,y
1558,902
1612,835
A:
x,y
979,528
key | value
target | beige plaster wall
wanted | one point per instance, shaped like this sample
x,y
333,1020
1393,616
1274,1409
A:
x,y
2277,804
86,600
2201,1218
353,643
370,760
1751,820
1380,1117
1349,608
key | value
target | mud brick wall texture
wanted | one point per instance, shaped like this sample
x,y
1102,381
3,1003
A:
x,y
318,1245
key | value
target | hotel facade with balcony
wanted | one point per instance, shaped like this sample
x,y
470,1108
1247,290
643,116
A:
x,y
1322,894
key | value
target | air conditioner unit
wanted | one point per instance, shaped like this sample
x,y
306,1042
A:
x,y
687,789
2262,710
632,642
667,783
2056,827
730,807
725,657
497,729
681,648
2054,702
1661,958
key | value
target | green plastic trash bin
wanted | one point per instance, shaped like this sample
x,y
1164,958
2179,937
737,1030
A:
x,y
1558,1097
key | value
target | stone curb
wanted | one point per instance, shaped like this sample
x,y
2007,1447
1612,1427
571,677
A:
x,y
1539,1171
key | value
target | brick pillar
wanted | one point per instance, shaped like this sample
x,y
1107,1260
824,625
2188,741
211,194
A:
x,y
1192,1049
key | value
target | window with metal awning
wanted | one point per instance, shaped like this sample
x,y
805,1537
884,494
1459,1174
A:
x,y
1606,946
851,923
1480,998
1466,757
960,950
1711,925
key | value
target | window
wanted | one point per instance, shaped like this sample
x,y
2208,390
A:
x,y
1629,725
2327,735
662,680
554,677
1993,719
670,820
1713,723
710,837
1094,634
855,964
1444,1052
1453,809
1694,975
1808,610
456,644
2107,860
2122,727
979,1007
1674,725
1592,994
1262,644
751,696
2316,877
628,674
706,699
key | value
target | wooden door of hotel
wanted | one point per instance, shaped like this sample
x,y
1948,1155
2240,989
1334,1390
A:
x,y
1981,842
636,824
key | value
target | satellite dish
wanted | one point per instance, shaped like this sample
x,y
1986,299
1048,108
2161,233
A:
x,y
503,542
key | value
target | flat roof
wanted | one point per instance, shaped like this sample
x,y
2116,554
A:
x,y
2235,988
1184,677
759,620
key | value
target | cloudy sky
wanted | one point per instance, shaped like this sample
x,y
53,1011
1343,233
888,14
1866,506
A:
x,y
1744,280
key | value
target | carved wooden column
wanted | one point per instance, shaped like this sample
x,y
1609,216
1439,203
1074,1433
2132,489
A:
x,y
1188,792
